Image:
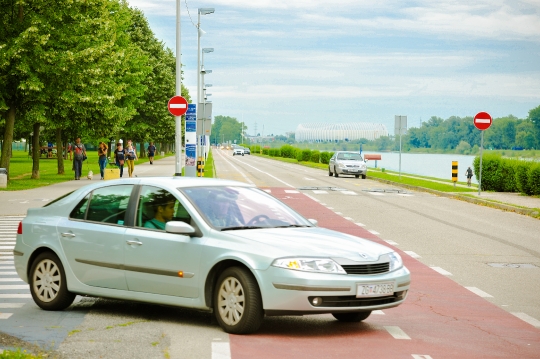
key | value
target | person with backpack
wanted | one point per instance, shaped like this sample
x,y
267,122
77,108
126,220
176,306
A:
x,y
120,157
79,155
131,157
469,174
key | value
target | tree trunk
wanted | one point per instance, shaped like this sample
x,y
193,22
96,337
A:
x,y
36,152
8,138
59,151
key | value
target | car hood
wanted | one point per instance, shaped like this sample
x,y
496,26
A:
x,y
314,241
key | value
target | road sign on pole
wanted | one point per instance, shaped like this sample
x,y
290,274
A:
x,y
177,105
482,121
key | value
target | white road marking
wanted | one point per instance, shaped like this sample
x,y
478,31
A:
x,y
221,350
11,305
412,254
318,191
15,296
373,232
309,179
6,247
291,191
5,315
7,273
311,197
421,356
396,332
268,174
5,262
11,280
441,271
13,286
405,194
330,207
349,193
378,312
376,193
525,317
349,218
268,190
479,292
338,213
360,224
391,242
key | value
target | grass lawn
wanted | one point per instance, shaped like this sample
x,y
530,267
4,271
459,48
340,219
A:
x,y
20,170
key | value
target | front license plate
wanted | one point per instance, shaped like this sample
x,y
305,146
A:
x,y
375,290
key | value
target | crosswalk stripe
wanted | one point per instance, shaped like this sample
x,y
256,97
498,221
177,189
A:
x,y
11,305
13,286
5,315
15,296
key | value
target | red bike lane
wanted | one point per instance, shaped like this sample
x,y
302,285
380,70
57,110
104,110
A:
x,y
439,319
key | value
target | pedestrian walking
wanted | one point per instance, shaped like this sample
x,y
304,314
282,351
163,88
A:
x,y
120,157
102,153
131,157
78,157
151,152
469,174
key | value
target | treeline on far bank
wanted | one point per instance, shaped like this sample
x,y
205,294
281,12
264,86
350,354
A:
x,y
498,174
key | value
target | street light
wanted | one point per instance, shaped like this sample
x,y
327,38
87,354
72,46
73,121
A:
x,y
200,69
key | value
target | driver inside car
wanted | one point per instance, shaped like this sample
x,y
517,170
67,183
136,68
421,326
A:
x,y
222,211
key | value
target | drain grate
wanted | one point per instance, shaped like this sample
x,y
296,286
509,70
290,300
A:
x,y
512,265
385,190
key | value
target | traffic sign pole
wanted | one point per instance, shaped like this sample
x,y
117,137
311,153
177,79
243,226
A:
x,y
178,118
481,121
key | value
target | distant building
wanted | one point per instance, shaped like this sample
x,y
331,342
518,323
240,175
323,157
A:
x,y
322,132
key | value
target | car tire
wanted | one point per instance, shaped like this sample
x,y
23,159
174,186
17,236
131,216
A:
x,y
330,172
48,283
364,176
335,173
351,317
237,301
357,176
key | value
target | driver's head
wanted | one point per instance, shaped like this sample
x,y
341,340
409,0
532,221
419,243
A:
x,y
220,205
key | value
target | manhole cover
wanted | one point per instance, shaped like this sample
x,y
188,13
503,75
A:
x,y
512,265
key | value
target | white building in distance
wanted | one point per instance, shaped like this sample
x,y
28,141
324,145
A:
x,y
322,132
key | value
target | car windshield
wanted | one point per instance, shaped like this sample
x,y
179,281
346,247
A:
x,y
233,208
350,156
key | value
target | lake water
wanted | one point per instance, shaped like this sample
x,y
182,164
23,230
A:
x,y
431,165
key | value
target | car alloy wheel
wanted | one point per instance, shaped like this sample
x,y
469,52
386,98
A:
x,y
335,172
48,283
237,301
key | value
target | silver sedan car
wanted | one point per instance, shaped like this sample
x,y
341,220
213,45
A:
x,y
215,245
347,163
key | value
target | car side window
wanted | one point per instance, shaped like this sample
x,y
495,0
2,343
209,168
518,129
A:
x,y
157,206
80,210
109,204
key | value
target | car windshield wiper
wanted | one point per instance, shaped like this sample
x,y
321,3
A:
x,y
241,227
292,225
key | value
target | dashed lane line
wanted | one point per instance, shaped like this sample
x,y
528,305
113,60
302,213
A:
x,y
397,332
527,318
441,271
479,292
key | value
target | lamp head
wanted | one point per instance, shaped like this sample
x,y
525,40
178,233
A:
x,y
207,50
206,10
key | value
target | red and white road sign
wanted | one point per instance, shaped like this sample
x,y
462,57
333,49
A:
x,y
177,106
482,121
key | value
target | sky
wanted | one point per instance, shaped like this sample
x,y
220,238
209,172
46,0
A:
x,y
279,63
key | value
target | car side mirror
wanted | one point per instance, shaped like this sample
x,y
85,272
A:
x,y
179,227
314,222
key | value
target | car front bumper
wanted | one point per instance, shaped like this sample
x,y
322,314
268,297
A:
x,y
290,292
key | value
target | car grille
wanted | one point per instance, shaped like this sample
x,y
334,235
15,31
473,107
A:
x,y
376,268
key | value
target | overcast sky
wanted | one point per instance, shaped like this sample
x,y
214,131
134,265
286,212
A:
x,y
278,63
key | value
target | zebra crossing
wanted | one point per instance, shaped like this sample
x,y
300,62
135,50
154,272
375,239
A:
x,y
14,293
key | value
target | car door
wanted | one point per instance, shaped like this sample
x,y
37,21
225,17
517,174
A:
x,y
93,237
160,262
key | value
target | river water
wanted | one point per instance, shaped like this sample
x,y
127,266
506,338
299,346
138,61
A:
x,y
424,164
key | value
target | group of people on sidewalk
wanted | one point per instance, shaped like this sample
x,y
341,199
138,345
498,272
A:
x,y
122,156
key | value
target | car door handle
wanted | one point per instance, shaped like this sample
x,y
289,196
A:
x,y
134,243
70,235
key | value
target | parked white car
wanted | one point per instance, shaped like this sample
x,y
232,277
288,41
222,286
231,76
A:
x,y
347,163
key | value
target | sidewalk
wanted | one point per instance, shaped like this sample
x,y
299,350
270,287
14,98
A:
x,y
16,203
507,201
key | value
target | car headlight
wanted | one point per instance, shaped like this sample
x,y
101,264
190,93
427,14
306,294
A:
x,y
320,265
395,261
341,164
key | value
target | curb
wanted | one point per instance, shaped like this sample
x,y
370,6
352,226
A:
x,y
502,206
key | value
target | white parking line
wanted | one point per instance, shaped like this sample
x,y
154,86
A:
x,y
396,332
479,292
5,315
412,254
221,350
527,318
441,271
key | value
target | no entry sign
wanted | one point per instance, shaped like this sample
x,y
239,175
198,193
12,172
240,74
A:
x,y
177,106
482,121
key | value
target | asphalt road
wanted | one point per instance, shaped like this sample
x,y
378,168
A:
x,y
474,292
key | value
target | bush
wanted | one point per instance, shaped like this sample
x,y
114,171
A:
x,y
306,155
522,177
288,151
325,157
265,151
534,179
315,156
508,173
298,154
